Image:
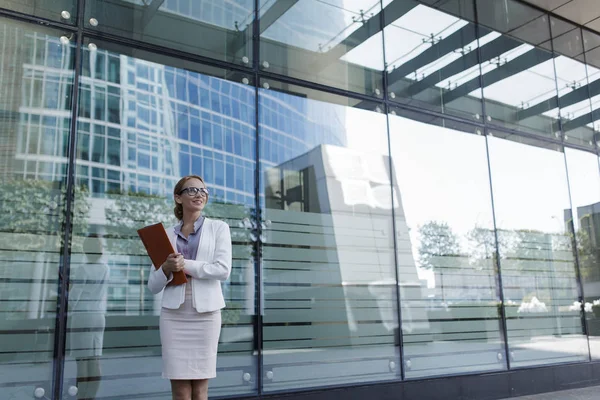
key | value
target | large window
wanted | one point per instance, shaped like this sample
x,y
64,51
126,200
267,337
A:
x,y
35,116
584,181
446,250
432,56
127,173
519,83
328,259
539,275
333,42
224,26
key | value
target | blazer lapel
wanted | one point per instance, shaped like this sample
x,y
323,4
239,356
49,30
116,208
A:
x,y
204,239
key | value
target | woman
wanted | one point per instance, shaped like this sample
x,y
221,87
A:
x,y
190,318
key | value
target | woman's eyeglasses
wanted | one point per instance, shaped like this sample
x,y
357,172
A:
x,y
194,191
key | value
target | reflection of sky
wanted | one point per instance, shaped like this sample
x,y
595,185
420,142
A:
x,y
405,36
320,25
292,125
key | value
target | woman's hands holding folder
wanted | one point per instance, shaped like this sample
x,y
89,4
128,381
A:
x,y
174,263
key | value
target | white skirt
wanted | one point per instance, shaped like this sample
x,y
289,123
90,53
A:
x,y
189,341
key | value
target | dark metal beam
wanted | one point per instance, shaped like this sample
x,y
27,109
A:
x,y
471,59
273,13
537,109
581,121
568,99
150,11
369,28
513,67
456,40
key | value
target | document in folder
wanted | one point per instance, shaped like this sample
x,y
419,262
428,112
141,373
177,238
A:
x,y
159,247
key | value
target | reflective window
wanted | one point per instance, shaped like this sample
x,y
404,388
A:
x,y
446,251
35,118
572,83
56,10
332,42
591,42
113,343
531,202
328,259
584,180
431,56
225,27
518,72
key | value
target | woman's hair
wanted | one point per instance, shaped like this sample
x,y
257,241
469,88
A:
x,y
178,210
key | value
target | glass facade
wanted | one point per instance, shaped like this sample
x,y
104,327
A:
x,y
413,188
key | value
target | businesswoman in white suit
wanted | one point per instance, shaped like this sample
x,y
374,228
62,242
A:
x,y
190,318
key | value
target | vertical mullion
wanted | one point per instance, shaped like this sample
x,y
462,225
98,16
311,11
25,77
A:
x,y
258,326
60,331
498,268
392,180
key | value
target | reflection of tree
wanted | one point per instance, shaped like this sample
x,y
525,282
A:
x,y
125,214
436,239
38,208
589,257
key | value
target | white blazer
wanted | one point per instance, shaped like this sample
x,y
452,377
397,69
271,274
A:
x,y
211,266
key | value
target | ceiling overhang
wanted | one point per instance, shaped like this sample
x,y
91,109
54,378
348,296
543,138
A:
x,y
581,12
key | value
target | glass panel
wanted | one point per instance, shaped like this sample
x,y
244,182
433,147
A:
x,y
518,71
446,251
531,202
332,42
431,56
225,27
584,180
328,260
35,116
56,10
591,43
113,345
573,89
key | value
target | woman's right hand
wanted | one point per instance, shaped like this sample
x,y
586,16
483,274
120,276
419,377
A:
x,y
174,263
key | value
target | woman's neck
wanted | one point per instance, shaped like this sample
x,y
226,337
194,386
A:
x,y
190,219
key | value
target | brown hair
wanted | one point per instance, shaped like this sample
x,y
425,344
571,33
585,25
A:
x,y
178,210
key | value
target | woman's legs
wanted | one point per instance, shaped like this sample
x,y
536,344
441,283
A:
x,y
200,389
181,389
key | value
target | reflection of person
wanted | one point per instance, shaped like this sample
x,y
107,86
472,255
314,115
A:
x,y
190,318
87,306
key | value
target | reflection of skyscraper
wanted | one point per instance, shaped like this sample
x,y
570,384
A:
x,y
141,125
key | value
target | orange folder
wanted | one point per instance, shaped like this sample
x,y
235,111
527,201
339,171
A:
x,y
159,247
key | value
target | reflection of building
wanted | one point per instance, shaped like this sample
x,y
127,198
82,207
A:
x,y
343,198
141,126
588,237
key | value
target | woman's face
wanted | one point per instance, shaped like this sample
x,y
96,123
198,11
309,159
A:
x,y
191,199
